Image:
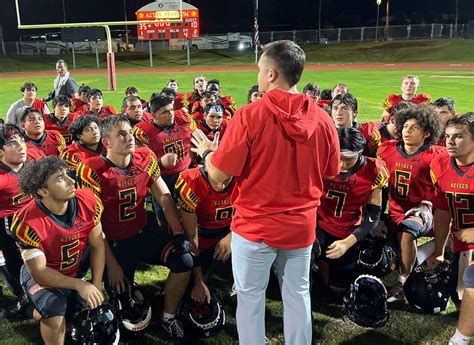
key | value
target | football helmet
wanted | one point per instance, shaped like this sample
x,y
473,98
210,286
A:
x,y
203,319
133,311
376,257
96,326
366,302
428,290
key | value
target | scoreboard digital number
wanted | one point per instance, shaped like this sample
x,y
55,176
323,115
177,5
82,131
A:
x,y
164,29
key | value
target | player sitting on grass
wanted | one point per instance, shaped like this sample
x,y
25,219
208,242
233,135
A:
x,y
53,231
410,187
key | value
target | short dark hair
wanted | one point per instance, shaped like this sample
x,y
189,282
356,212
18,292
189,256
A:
x,y
348,99
169,92
425,116
131,89
7,131
61,100
288,57
463,120
350,139
77,127
441,102
109,123
159,102
129,98
27,112
171,81
83,89
251,91
28,85
400,106
93,93
214,81
34,176
209,94
311,87
326,94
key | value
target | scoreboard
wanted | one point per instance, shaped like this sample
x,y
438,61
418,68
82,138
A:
x,y
164,30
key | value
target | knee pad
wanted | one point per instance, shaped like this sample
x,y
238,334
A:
x,y
179,263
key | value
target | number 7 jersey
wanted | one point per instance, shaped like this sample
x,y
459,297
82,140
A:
x,y
122,191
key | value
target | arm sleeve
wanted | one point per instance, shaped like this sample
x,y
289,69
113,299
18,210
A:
x,y
369,223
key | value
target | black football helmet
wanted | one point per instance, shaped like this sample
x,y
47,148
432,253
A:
x,y
366,302
133,311
376,257
203,319
428,290
96,326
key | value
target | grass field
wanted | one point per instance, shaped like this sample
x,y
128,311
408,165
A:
x,y
370,86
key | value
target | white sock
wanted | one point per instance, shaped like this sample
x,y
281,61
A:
x,y
460,339
167,317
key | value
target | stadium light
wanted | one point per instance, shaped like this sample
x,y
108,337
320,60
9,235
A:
x,y
377,25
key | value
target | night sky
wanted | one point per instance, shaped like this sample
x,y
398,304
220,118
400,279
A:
x,y
217,18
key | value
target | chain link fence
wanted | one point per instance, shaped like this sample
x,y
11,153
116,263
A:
x,y
328,36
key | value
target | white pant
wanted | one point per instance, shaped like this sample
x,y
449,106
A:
x,y
251,263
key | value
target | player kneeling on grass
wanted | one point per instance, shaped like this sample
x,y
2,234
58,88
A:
x,y
53,231
206,212
408,161
350,209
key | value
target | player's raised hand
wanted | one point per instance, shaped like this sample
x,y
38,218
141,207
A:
x,y
202,143
169,160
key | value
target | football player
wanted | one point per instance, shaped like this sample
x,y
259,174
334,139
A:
x,y
339,89
445,109
61,119
53,231
213,121
132,109
350,209
228,102
206,212
410,186
313,91
14,157
95,105
86,134
51,142
122,179
253,94
197,109
452,173
199,86
133,91
410,84
81,101
344,113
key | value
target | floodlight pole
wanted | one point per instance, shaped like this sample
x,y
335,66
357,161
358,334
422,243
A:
x,y
456,19
387,20
377,25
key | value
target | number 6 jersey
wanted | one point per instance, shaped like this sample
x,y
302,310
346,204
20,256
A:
x,y
122,191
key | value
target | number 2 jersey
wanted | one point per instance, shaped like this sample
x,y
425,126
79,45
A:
x,y
122,191
345,196
173,139
410,181
213,209
34,226
454,193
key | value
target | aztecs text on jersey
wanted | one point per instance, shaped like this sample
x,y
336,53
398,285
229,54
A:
x,y
344,197
51,143
122,191
454,193
51,122
410,181
62,243
175,139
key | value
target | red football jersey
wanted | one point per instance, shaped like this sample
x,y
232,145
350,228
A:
x,y
213,209
198,111
39,104
176,138
77,104
344,197
209,132
35,227
372,137
455,193
178,101
11,198
77,152
51,143
107,110
410,181
122,191
52,123
393,99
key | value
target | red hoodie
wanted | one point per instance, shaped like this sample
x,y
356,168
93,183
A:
x,y
279,149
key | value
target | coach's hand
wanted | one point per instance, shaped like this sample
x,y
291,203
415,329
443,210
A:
x,y
117,280
169,160
200,292
202,143
89,293
222,250
465,235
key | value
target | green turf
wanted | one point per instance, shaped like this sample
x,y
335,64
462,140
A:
x,y
370,86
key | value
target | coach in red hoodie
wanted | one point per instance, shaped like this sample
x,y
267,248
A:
x,y
278,149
